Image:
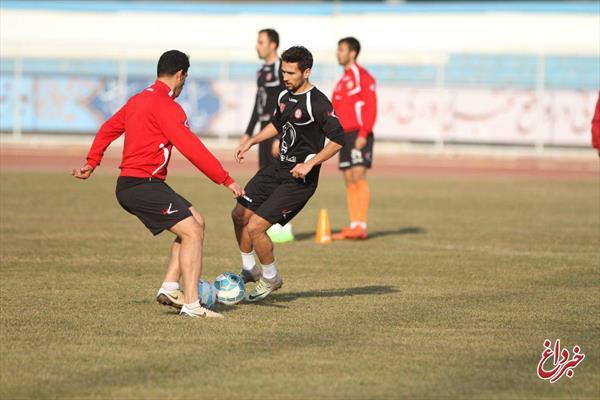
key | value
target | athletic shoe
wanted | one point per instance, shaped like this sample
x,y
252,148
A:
x,y
173,298
198,312
251,276
341,235
264,288
357,233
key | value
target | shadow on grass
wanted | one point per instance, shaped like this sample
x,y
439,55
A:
x,y
409,230
343,292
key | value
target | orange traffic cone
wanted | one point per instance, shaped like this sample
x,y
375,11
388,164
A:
x,y
323,228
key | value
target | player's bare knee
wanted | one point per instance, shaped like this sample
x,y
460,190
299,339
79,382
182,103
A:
x,y
237,217
193,231
200,220
255,227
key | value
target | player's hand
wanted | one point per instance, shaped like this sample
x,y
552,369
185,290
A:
x,y
83,172
241,150
301,170
275,148
236,190
360,143
244,138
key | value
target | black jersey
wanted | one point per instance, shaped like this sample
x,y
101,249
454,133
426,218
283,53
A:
x,y
304,120
269,81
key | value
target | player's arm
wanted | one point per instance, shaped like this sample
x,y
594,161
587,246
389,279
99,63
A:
x,y
253,120
108,132
301,170
266,133
331,127
173,123
368,111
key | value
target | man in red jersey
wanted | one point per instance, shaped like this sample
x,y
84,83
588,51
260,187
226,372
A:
x,y
596,127
355,104
153,123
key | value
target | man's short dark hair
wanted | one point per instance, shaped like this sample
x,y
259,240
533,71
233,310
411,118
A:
x,y
300,55
352,42
171,62
272,35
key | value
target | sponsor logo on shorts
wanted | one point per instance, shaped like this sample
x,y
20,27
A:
x,y
285,212
168,211
356,156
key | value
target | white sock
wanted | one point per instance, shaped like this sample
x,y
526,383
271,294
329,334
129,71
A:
x,y
248,261
362,224
269,271
193,305
170,286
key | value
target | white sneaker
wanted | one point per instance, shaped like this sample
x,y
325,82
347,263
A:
x,y
173,298
198,312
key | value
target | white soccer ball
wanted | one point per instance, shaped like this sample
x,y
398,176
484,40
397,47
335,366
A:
x,y
230,288
207,293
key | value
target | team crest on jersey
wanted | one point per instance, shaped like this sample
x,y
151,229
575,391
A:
x,y
298,113
281,107
269,76
349,85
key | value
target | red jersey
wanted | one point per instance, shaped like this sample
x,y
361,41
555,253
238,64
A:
x,y
596,126
355,102
153,123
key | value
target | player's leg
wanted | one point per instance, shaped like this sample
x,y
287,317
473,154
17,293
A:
x,y
263,246
359,176
258,190
170,293
360,166
286,201
191,233
344,165
241,216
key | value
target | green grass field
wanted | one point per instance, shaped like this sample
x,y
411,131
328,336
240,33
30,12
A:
x,y
452,297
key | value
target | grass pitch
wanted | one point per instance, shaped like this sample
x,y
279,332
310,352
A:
x,y
452,297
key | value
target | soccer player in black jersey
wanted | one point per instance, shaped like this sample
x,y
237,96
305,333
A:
x,y
269,82
303,117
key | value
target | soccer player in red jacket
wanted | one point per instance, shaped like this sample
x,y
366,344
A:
x,y
153,123
596,127
355,104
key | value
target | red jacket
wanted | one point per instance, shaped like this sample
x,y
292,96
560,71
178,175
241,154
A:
x,y
596,126
153,123
355,102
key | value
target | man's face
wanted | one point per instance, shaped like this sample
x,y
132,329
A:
x,y
264,47
344,56
180,77
293,78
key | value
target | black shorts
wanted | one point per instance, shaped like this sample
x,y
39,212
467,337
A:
x,y
350,157
275,195
153,202
265,150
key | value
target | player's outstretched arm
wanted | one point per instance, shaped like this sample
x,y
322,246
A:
x,y
301,170
267,132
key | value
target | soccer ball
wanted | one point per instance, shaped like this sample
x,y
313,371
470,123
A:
x,y
230,288
207,293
